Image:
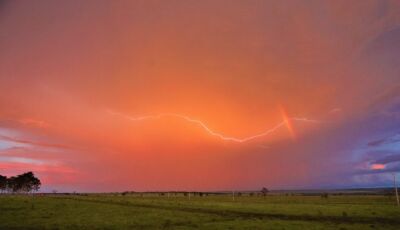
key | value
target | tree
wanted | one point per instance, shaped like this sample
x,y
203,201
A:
x,y
29,182
3,183
264,191
12,184
36,184
25,183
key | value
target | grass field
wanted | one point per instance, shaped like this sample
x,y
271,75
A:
x,y
209,212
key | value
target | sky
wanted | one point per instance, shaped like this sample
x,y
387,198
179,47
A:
x,y
146,95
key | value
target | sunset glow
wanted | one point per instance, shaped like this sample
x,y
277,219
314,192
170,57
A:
x,y
202,95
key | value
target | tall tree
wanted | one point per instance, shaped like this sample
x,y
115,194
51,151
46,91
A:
x,y
25,183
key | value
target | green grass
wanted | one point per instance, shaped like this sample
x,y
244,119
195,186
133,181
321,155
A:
x,y
211,212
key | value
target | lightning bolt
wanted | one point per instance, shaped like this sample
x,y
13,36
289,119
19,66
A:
x,y
214,133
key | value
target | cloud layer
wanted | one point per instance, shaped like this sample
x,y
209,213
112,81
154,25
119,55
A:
x,y
235,68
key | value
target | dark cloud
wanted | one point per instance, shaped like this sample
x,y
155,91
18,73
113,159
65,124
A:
x,y
35,143
389,169
388,159
377,142
388,140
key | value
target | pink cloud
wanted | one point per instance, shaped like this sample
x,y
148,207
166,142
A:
x,y
378,166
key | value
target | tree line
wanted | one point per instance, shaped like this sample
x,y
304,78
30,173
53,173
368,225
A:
x,y
23,183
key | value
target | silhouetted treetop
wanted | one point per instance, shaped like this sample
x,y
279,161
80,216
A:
x,y
24,183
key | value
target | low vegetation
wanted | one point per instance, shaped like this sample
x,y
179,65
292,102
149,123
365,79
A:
x,y
206,211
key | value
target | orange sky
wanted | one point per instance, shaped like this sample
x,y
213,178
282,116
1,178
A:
x,y
206,95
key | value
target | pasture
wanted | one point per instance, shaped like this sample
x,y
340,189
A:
x,y
151,211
